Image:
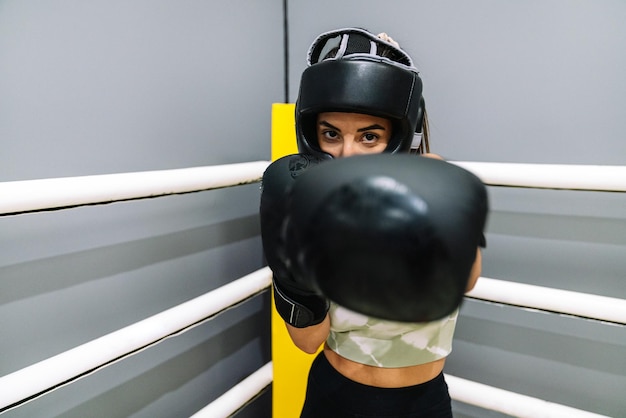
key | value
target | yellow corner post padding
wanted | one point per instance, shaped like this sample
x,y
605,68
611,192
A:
x,y
291,366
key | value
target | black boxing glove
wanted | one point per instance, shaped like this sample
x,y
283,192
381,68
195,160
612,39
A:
x,y
392,236
298,305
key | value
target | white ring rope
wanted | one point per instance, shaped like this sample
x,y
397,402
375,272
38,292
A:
x,y
239,395
584,305
610,178
56,193
510,403
40,378
47,194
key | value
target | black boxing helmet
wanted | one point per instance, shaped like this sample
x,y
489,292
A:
x,y
352,70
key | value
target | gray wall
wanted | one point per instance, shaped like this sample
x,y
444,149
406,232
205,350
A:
x,y
104,87
528,82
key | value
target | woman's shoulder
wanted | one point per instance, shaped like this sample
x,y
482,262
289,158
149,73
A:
x,y
433,156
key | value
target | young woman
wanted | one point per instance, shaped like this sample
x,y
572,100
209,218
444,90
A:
x,y
361,94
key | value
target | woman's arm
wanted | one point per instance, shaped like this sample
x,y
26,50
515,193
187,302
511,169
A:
x,y
310,339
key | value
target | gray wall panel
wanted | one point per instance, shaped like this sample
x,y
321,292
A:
x,y
562,359
175,378
532,81
110,87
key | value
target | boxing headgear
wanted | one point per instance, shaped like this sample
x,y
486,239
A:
x,y
351,70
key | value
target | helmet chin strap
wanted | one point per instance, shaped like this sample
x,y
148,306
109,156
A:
x,y
417,140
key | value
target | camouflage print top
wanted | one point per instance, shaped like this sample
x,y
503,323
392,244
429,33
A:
x,y
383,343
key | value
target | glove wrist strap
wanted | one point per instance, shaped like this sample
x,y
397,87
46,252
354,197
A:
x,y
297,314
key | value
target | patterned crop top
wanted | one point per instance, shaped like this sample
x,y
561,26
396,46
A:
x,y
383,343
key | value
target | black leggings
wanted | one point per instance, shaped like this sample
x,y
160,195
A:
x,y
332,395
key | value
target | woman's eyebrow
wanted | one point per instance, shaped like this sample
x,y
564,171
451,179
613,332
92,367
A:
x,y
371,127
328,125
367,128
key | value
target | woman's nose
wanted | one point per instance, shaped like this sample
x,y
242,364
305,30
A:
x,y
347,148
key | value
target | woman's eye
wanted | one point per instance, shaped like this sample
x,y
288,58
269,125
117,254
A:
x,y
369,138
331,135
